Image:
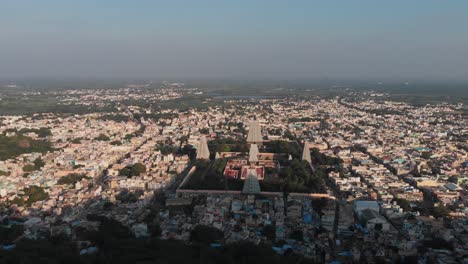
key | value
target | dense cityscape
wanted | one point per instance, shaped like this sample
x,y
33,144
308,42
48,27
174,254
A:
x,y
233,132
349,177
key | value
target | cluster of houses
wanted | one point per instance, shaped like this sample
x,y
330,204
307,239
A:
x,y
398,165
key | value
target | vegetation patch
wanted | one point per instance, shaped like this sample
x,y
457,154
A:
x,y
11,147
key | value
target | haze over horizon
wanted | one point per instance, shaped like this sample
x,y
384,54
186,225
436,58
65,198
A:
x,y
357,40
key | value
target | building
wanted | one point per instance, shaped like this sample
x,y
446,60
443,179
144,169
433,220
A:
x,y
306,153
202,151
255,133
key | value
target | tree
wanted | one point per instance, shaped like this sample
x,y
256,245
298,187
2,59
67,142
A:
x,y
270,232
190,151
44,132
8,234
76,140
183,139
38,163
205,130
116,143
72,178
297,235
137,169
404,204
111,229
102,137
205,234
440,211
11,147
125,172
134,170
289,135
166,149
35,194
426,155
28,168
129,197
155,230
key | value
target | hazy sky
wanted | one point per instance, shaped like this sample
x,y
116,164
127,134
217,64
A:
x,y
235,39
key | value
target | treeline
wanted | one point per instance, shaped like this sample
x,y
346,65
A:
x,y
115,243
72,178
11,147
322,159
115,118
227,145
302,119
31,195
125,118
37,164
16,106
155,116
41,132
280,146
299,177
123,249
133,170
102,137
208,176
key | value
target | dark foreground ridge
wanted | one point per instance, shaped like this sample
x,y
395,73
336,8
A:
x,y
153,250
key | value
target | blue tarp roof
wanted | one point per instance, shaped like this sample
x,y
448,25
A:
x,y
345,254
307,218
9,247
277,249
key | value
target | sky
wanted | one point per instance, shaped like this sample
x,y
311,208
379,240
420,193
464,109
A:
x,y
235,39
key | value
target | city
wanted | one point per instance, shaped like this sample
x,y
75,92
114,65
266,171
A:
x,y
329,179
233,132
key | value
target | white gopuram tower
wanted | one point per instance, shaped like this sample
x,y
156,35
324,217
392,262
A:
x,y
253,154
202,151
255,133
306,153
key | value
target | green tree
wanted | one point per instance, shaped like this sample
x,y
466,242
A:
x,y
205,234
35,194
289,135
102,137
205,130
72,178
426,155
404,204
137,169
38,163
440,211
129,197
44,132
116,143
11,147
76,140
125,172
183,139
166,149
29,168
